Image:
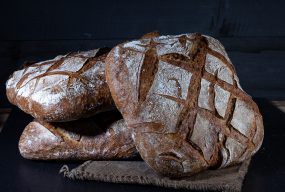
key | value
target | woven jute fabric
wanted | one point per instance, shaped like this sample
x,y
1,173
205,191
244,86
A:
x,y
138,172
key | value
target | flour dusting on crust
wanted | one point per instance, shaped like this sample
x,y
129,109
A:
x,y
181,97
62,89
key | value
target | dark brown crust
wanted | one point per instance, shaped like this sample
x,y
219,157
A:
x,y
147,74
150,35
93,98
171,152
77,140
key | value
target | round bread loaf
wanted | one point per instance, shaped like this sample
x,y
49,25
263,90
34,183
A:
x,y
181,97
65,88
77,140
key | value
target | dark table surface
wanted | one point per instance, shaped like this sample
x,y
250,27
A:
x,y
266,172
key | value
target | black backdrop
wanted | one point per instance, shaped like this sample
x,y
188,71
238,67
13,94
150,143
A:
x,y
253,32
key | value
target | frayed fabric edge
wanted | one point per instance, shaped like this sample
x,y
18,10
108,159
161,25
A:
x,y
81,174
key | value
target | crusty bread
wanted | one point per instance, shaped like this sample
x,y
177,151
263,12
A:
x,y
181,97
151,34
65,88
77,140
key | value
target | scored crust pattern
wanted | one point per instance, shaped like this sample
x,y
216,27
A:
x,y
76,140
65,88
182,99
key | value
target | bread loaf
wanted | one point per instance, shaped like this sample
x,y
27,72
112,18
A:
x,y
65,88
78,140
182,98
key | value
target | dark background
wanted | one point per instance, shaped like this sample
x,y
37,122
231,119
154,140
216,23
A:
x,y
252,31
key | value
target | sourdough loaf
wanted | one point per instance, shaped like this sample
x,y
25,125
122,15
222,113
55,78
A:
x,y
65,88
182,98
77,140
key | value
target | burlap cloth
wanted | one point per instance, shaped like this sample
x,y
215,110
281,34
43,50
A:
x,y
137,172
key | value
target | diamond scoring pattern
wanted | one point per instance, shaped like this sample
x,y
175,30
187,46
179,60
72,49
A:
x,y
199,73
